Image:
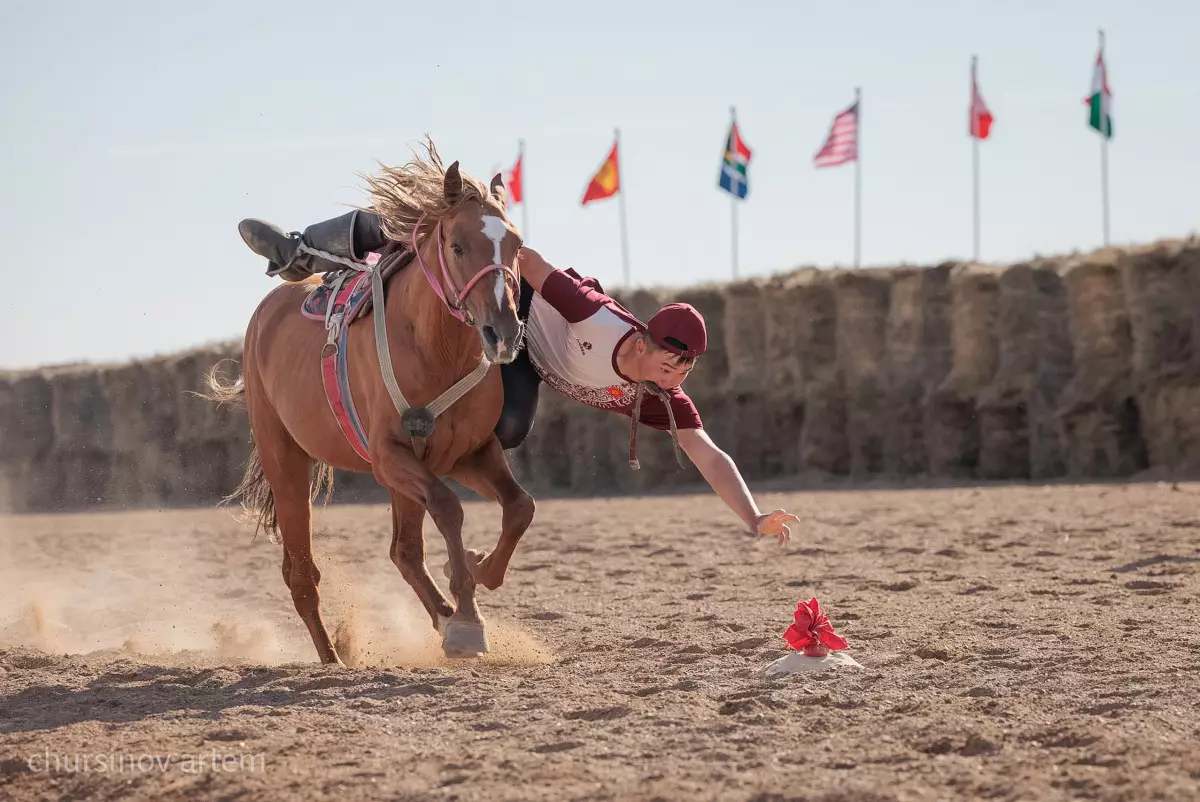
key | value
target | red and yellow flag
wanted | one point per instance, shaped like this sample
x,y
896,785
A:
x,y
607,180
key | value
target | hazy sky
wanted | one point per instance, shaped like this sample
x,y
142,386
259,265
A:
x,y
137,134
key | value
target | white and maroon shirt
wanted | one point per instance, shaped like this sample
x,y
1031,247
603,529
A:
x,y
573,333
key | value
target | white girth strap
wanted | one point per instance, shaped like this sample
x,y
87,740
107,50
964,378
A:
x,y
439,405
443,401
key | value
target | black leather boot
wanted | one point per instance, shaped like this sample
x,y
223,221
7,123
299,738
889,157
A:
x,y
350,236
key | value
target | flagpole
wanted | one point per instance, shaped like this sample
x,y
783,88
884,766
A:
x,y
621,210
524,195
733,203
1105,124
858,181
974,161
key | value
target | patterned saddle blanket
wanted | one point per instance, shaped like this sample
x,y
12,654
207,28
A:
x,y
353,288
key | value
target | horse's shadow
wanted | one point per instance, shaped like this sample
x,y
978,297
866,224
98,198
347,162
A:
x,y
150,691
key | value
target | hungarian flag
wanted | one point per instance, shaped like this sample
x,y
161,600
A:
x,y
513,181
981,118
1100,101
733,168
607,180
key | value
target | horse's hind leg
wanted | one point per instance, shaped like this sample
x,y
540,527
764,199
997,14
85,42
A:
x,y
287,470
486,471
408,553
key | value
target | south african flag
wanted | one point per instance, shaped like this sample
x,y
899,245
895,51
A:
x,y
733,168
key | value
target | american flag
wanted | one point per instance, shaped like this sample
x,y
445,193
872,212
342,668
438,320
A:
x,y
842,144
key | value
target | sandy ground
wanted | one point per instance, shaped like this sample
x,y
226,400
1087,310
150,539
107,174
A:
x,y
1016,643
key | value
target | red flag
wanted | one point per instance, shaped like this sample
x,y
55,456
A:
x,y
607,180
513,181
981,119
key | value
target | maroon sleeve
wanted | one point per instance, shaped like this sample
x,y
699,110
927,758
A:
x,y
654,412
574,298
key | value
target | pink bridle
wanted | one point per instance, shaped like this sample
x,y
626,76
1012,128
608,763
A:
x,y
454,303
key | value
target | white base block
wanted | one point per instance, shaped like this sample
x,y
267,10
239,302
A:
x,y
800,663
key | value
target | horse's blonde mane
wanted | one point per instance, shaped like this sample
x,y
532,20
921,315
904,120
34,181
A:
x,y
401,195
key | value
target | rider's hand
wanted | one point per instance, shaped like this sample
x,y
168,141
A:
x,y
775,523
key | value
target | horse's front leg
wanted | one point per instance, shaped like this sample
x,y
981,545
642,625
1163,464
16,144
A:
x,y
486,471
408,553
398,469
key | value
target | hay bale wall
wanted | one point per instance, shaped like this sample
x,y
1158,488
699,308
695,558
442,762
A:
x,y
1083,366
954,433
1054,366
862,315
918,357
1163,311
1004,442
823,444
1098,407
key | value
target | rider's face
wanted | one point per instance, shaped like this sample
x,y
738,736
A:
x,y
662,367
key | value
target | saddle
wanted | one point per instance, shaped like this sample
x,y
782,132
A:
x,y
353,287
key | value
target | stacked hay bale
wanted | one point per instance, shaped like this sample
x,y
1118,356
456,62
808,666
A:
x,y
211,441
1163,313
1004,404
756,447
80,461
785,380
823,443
26,442
144,458
862,317
917,360
1054,367
1098,408
953,433
1020,435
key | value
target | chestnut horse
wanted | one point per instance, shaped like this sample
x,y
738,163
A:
x,y
435,336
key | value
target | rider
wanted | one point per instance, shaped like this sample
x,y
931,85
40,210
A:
x,y
580,341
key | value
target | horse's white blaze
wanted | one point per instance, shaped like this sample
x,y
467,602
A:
x,y
496,230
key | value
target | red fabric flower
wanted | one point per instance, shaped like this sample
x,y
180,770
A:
x,y
812,631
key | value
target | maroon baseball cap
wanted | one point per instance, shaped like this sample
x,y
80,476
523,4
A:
x,y
680,329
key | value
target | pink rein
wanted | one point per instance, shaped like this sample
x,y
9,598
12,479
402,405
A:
x,y
454,303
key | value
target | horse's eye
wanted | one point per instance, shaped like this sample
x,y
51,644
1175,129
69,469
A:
x,y
458,250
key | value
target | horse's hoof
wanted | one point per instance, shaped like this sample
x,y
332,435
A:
x,y
452,653
474,558
464,638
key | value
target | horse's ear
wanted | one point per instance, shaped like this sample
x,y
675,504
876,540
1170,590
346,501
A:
x,y
453,184
498,190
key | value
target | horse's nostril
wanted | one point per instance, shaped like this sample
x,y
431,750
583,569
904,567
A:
x,y
490,335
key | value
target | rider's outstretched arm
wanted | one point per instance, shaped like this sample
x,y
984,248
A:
x,y
722,475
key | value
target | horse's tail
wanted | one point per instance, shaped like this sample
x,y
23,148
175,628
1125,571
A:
x,y
222,391
259,502
254,492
